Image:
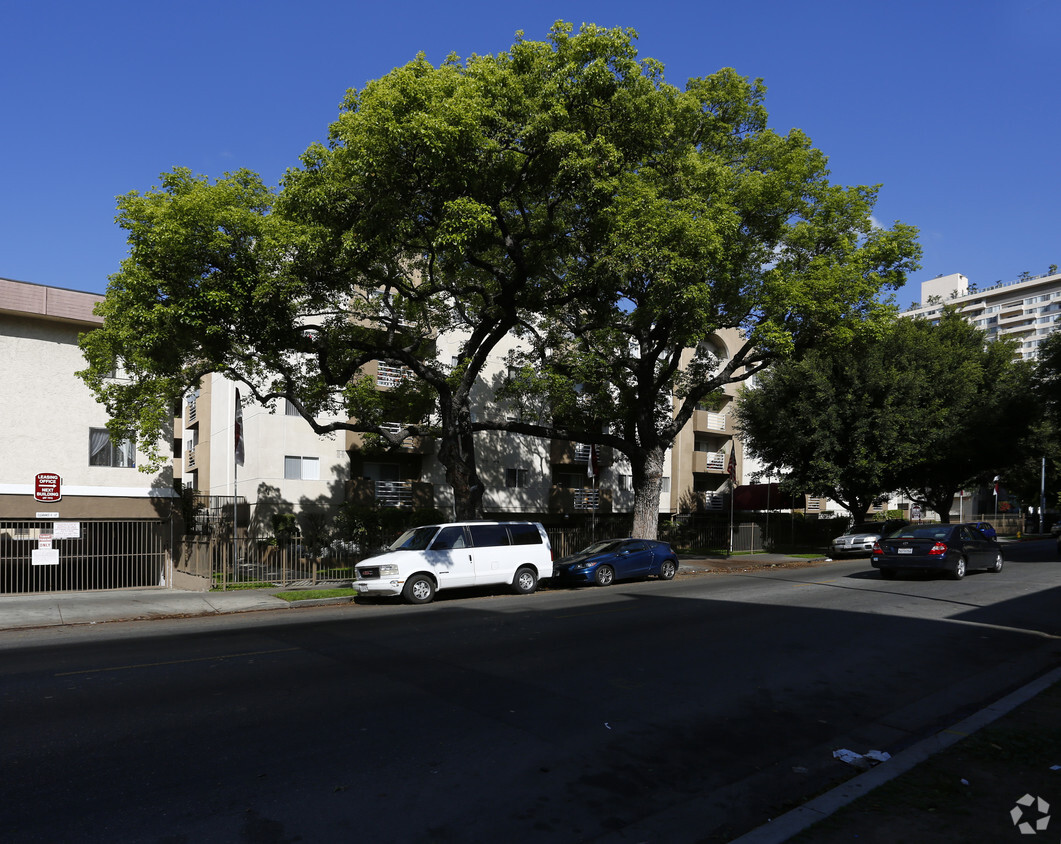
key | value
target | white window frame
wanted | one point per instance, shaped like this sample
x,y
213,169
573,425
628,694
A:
x,y
297,468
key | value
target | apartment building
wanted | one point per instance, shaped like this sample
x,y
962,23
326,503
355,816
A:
x,y
54,427
289,468
286,467
56,457
1026,310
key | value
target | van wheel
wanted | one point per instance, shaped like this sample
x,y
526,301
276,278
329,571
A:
x,y
525,582
605,576
419,589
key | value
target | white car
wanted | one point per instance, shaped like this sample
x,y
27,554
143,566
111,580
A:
x,y
860,538
426,559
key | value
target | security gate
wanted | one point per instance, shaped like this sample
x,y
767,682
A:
x,y
80,556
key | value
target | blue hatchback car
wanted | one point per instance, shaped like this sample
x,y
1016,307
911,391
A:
x,y
602,563
986,528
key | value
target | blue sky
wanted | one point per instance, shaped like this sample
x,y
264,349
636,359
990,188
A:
x,y
952,106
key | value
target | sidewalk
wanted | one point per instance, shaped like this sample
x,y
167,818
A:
x,y
61,608
53,610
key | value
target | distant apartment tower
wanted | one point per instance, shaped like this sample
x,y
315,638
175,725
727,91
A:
x,y
1027,310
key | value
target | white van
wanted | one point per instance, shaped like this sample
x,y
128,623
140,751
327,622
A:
x,y
426,559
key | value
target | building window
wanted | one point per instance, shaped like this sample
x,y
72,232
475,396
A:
x,y
302,468
664,486
626,481
290,409
516,478
102,452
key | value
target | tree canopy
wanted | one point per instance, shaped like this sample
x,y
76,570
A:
x,y
561,191
924,408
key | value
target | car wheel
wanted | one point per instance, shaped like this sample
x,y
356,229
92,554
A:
x,y
419,589
605,576
997,566
889,574
959,569
525,582
667,570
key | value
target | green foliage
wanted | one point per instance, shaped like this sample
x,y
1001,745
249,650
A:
x,y
373,528
562,190
926,408
285,525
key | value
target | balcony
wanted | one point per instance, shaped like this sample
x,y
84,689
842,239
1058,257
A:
x,y
584,500
707,420
709,461
566,453
388,375
410,445
368,493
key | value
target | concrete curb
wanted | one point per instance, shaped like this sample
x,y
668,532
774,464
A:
x,y
792,823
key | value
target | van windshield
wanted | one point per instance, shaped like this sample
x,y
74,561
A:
x,y
416,539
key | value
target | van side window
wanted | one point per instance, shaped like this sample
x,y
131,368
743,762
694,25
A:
x,y
449,538
525,534
484,536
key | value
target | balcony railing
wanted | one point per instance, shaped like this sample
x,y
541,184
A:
x,y
388,375
586,499
394,493
714,421
709,461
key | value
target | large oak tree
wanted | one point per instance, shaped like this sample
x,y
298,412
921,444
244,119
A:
x,y
561,190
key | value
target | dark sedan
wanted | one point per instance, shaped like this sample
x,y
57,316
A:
x,y
605,562
951,548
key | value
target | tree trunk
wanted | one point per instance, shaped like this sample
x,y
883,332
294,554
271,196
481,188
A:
x,y
647,471
457,454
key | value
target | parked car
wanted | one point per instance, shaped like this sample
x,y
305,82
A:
x,y
951,548
987,529
602,563
426,559
860,538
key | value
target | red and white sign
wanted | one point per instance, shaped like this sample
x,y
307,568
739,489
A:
x,y
47,487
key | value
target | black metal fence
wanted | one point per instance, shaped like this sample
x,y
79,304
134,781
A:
x,y
79,556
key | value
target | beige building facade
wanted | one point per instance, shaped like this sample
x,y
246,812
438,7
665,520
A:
x,y
50,423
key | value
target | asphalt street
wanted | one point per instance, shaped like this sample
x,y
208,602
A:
x,y
693,710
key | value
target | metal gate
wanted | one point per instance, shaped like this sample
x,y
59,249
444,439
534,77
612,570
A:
x,y
82,556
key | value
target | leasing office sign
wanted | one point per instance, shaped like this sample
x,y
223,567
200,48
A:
x,y
47,486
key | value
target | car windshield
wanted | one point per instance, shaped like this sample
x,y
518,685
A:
x,y
416,539
603,547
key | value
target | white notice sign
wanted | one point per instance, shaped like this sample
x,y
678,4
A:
x,y
67,530
45,556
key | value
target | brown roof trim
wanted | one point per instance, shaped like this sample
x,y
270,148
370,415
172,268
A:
x,y
22,298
